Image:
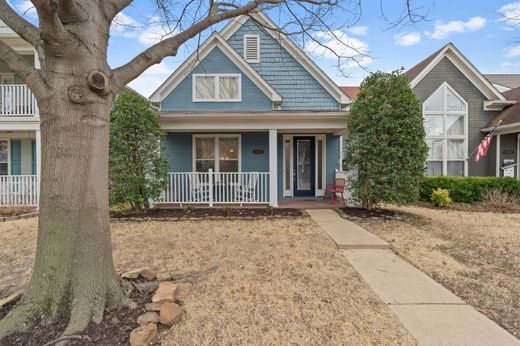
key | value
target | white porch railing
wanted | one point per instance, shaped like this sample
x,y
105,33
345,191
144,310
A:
x,y
216,188
18,190
17,101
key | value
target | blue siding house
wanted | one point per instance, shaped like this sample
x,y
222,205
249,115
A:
x,y
250,118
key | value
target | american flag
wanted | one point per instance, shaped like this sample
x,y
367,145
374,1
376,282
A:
x,y
484,145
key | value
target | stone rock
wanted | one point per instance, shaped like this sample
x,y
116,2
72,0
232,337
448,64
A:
x,y
170,313
132,274
148,274
144,335
11,298
163,277
183,291
165,292
148,317
153,306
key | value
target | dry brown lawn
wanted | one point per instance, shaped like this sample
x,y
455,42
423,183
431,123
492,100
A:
x,y
277,282
475,255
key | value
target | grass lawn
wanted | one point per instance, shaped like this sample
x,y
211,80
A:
x,y
278,281
475,255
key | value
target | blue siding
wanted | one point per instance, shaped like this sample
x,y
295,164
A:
x,y
177,148
253,99
298,88
332,157
253,162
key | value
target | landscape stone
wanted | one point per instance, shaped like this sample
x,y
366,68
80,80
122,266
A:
x,y
144,335
163,277
132,274
153,306
165,292
170,313
148,317
147,274
183,291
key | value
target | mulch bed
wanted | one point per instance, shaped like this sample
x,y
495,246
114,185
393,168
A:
x,y
478,207
114,330
161,213
360,213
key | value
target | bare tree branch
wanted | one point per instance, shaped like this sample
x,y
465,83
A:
x,y
22,27
113,7
51,27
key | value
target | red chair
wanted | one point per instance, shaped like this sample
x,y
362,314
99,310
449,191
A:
x,y
337,187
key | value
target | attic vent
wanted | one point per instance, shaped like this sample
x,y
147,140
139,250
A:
x,y
252,48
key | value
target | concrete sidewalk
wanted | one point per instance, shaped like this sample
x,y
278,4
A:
x,y
430,312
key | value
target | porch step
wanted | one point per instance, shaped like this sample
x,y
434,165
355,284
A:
x,y
346,234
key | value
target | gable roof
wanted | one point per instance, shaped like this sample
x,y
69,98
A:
x,y
513,94
507,80
215,40
449,51
350,91
296,52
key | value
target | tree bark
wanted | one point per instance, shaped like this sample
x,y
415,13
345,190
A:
x,y
74,276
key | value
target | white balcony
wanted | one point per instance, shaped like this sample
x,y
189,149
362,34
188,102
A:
x,y
17,100
18,190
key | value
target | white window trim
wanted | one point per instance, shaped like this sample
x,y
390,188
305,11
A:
x,y
445,137
216,138
8,140
288,191
252,61
217,87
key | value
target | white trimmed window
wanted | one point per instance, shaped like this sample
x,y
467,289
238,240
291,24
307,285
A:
x,y
445,121
4,157
221,153
217,88
252,48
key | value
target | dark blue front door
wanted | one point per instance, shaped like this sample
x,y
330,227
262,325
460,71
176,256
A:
x,y
304,166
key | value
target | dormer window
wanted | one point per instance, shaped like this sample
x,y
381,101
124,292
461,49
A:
x,y
252,48
217,88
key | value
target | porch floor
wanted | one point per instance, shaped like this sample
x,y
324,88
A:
x,y
312,203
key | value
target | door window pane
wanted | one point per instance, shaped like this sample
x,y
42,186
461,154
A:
x,y
434,168
287,164
456,168
435,102
435,147
228,88
433,125
455,149
304,165
205,88
455,125
320,164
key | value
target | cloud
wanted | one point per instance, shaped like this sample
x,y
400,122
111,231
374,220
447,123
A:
x,y
509,65
331,45
407,39
512,52
510,13
443,30
124,25
26,8
359,30
148,82
154,33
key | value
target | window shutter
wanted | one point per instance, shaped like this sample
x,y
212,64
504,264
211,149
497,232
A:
x,y
252,48
16,157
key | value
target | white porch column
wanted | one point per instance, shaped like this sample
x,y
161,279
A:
x,y
498,168
273,168
38,143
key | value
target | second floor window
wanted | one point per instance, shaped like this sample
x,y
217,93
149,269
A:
x,y
216,88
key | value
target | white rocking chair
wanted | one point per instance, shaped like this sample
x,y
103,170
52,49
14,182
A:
x,y
246,188
199,190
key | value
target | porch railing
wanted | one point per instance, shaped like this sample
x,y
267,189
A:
x,y
18,190
216,188
17,101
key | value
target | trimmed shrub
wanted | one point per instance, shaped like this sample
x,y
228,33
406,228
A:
x,y
441,198
467,189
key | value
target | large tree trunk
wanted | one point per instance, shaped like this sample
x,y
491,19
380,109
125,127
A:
x,y
74,275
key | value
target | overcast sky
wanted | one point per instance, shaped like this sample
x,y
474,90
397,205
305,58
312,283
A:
x,y
481,29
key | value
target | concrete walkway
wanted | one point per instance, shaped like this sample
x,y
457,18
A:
x,y
430,312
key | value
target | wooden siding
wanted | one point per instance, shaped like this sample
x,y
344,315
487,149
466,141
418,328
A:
x,y
298,88
180,99
445,71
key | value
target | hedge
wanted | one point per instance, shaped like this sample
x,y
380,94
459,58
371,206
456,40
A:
x,y
467,189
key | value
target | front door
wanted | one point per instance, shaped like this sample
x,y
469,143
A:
x,y
304,166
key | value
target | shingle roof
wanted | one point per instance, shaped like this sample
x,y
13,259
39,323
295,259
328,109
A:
x,y
416,70
507,80
513,94
509,115
350,91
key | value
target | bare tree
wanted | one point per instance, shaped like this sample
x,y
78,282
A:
x,y
74,275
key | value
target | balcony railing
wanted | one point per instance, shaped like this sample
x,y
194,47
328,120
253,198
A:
x,y
18,190
17,101
216,188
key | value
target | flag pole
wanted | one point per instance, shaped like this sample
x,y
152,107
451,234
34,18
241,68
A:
x,y
492,132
